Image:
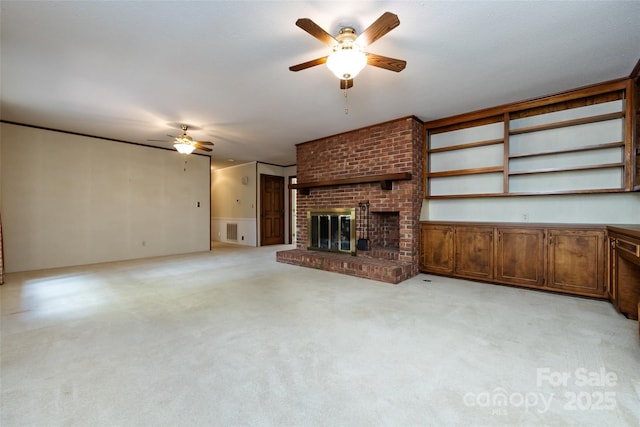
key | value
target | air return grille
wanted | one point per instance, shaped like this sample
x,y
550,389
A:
x,y
232,231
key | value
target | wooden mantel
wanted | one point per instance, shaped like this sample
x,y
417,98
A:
x,y
385,181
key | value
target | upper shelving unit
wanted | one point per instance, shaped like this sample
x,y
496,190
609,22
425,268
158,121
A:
x,y
580,141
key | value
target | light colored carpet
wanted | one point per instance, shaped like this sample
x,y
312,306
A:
x,y
233,338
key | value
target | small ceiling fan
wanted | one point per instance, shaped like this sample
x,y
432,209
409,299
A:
x,y
348,57
185,144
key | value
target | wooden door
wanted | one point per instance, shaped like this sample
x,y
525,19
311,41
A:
x,y
271,210
577,261
436,248
474,252
520,256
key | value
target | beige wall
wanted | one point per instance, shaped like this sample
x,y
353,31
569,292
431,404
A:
x,y
73,200
234,191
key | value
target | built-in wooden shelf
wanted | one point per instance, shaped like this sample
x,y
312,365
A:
x,y
569,150
566,123
569,169
472,171
523,193
467,145
536,150
385,181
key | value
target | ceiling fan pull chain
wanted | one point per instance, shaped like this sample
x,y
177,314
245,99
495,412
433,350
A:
x,y
346,100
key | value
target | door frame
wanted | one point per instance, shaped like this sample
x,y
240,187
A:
x,y
293,209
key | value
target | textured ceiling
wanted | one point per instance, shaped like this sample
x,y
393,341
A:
x,y
134,71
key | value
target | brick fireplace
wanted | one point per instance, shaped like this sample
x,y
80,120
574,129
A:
x,y
380,164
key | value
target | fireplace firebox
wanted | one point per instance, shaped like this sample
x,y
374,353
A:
x,y
332,230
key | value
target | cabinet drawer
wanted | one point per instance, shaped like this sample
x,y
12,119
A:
x,y
629,247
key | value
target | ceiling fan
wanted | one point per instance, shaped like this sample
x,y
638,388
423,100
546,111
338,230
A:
x,y
185,144
348,57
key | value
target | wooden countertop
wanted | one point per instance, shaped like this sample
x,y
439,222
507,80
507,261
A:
x,y
628,229
632,230
519,224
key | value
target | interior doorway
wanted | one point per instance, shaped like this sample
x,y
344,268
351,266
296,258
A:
x,y
271,210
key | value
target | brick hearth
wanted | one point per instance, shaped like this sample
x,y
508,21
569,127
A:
x,y
383,270
393,147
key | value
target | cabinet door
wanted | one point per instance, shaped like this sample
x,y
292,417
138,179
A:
x,y
576,261
520,256
436,248
474,252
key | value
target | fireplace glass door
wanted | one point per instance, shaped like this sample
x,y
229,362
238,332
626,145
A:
x,y
332,230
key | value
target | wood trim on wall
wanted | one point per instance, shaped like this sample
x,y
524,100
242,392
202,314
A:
x,y
86,135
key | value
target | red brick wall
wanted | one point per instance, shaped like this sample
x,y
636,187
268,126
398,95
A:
x,y
390,147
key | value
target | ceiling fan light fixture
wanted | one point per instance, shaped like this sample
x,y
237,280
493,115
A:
x,y
184,147
347,62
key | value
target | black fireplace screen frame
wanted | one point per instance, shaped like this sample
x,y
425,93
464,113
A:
x,y
332,230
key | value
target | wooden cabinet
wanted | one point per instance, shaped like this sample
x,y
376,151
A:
x,y
577,261
436,248
567,259
459,251
624,272
571,259
520,256
473,252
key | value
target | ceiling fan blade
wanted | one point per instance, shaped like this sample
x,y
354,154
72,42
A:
x,y
200,147
308,64
204,142
387,22
157,140
385,62
346,84
314,29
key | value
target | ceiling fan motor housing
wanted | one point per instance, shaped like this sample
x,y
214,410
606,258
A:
x,y
346,36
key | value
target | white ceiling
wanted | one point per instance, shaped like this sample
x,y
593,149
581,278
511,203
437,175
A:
x,y
135,70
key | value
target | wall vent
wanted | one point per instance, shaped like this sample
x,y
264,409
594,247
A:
x,y
232,231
